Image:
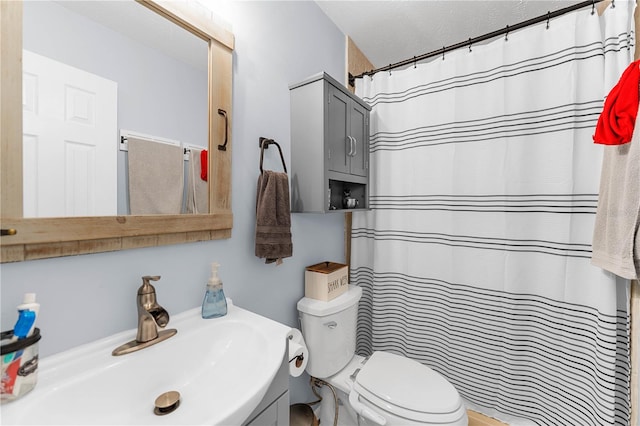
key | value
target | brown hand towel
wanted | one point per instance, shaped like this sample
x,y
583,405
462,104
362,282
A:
x,y
273,217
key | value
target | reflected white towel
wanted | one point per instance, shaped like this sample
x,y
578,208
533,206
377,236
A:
x,y
156,177
616,240
197,189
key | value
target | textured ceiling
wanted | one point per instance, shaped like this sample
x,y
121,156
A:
x,y
390,31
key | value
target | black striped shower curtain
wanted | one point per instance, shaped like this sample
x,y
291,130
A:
x,y
475,256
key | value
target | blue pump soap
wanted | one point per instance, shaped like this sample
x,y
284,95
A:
x,y
214,304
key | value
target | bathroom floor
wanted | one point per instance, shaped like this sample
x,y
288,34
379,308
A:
x,y
477,419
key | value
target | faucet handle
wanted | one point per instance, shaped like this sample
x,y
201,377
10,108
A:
x,y
146,286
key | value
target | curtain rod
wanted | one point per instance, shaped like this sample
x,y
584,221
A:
x,y
542,18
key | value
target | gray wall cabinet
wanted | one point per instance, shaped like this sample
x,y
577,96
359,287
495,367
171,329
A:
x,y
329,146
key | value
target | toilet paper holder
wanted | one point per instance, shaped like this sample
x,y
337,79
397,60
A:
x,y
298,358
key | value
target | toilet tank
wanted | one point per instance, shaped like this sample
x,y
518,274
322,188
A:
x,y
329,330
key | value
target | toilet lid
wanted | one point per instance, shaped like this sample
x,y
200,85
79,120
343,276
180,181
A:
x,y
406,387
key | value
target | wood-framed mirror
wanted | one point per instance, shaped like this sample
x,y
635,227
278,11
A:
x,y
37,238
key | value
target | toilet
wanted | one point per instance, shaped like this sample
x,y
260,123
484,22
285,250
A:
x,y
382,389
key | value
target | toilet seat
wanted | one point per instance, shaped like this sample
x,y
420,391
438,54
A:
x,y
407,389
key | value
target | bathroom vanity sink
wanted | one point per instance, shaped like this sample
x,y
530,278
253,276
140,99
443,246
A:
x,y
221,368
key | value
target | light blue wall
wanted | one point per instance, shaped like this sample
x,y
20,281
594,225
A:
x,y
88,297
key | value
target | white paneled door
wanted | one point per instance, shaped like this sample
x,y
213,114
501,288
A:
x,y
69,140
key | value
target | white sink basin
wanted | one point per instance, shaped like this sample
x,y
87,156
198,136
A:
x,y
221,367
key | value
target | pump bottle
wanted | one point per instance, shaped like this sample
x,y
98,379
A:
x,y
214,304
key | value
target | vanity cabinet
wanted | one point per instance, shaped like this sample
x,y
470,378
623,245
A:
x,y
329,146
273,409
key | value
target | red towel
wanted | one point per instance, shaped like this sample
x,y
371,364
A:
x,y
618,118
204,165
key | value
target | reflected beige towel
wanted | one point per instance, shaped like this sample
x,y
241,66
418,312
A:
x,y
197,189
156,177
616,240
273,217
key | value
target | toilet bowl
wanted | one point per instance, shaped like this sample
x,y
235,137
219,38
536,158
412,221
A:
x,y
382,389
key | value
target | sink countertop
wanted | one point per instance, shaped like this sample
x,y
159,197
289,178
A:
x,y
222,368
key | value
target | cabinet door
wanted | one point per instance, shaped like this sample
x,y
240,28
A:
x,y
277,414
360,133
338,144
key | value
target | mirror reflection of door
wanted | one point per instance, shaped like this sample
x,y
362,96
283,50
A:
x,y
161,72
69,129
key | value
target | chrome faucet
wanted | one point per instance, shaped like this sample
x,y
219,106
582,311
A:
x,y
150,316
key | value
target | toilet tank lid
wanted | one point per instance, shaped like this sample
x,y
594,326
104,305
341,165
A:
x,y
320,308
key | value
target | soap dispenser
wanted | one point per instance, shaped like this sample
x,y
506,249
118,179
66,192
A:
x,y
214,304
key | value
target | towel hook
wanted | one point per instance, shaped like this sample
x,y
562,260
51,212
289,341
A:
x,y
548,18
264,144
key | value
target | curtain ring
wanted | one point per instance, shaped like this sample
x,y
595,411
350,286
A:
x,y
593,7
506,34
414,62
469,44
613,4
548,18
443,49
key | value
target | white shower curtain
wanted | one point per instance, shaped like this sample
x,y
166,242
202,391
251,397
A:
x,y
475,256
